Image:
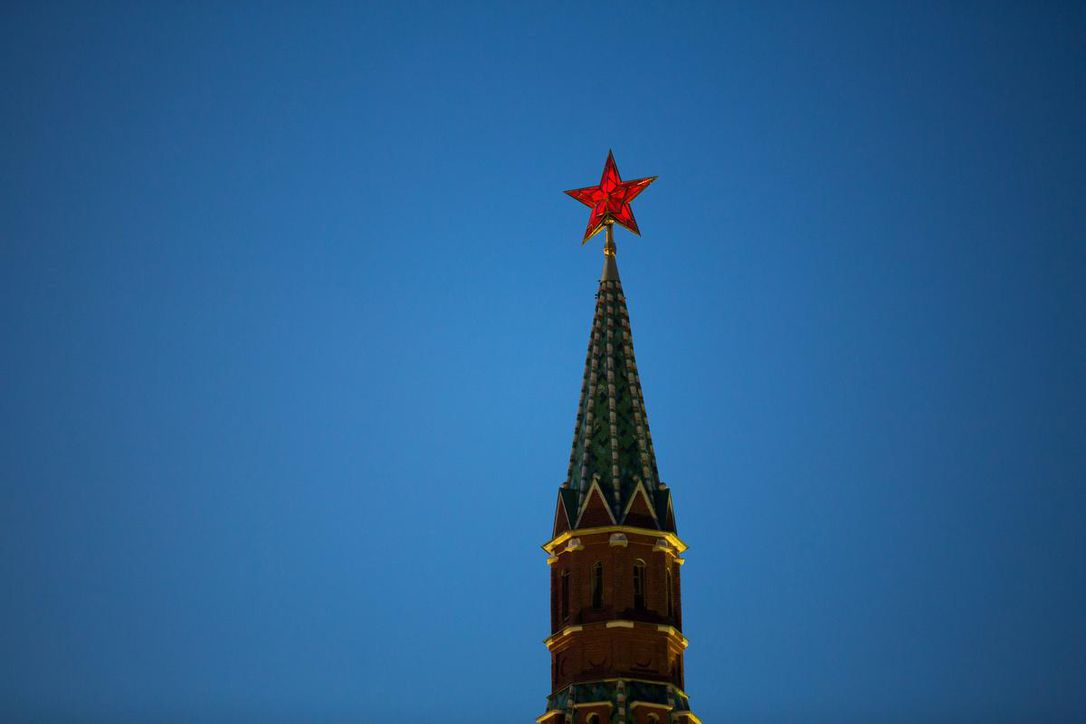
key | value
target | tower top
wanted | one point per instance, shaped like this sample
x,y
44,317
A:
x,y
616,640
612,448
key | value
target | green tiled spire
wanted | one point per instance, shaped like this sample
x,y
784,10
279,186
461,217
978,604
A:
x,y
611,440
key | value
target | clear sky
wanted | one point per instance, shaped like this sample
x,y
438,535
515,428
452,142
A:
x,y
294,312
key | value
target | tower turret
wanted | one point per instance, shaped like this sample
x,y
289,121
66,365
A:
x,y
615,557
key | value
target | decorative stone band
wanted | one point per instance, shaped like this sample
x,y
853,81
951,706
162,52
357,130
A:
x,y
626,695
668,542
671,631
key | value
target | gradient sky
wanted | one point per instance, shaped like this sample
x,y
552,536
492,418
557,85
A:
x,y
294,312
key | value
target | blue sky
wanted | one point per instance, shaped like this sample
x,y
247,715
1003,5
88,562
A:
x,y
293,315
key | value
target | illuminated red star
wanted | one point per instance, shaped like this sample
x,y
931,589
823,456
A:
x,y
611,199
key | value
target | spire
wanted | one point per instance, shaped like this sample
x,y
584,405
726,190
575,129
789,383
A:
x,y
610,264
612,446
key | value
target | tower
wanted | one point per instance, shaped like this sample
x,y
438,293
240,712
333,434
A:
x,y
616,641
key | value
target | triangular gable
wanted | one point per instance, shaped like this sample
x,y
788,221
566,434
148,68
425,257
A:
x,y
664,512
561,517
594,511
639,513
669,516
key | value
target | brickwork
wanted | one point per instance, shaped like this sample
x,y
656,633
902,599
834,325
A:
x,y
618,632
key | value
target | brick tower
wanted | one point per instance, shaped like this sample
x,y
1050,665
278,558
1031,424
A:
x,y
616,640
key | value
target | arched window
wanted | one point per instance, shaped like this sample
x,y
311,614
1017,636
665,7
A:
x,y
597,585
639,584
565,595
653,719
593,719
670,596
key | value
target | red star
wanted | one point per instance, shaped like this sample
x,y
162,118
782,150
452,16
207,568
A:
x,y
610,201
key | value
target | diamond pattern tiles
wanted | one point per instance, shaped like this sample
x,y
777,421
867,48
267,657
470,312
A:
x,y
612,445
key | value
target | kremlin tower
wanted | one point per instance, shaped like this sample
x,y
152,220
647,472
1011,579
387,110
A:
x,y
616,641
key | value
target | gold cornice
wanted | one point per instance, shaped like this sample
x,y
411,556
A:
x,y
552,545
671,631
566,631
580,705
542,719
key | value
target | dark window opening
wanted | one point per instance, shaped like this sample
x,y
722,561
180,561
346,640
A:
x,y
670,596
639,585
565,595
597,586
